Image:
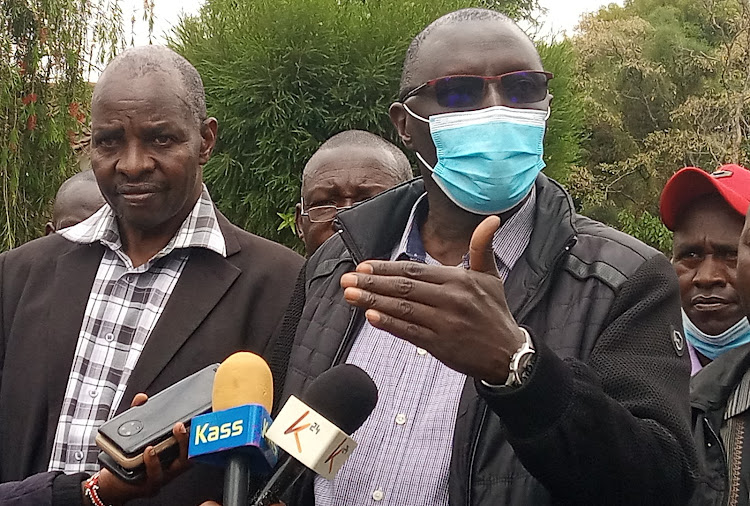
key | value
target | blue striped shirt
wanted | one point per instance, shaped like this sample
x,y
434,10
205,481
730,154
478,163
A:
x,y
404,447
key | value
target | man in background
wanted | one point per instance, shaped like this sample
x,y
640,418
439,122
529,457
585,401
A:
x,y
77,199
348,168
706,213
712,261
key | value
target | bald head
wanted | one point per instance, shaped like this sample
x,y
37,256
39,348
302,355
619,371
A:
x,y
139,61
77,199
393,161
506,28
348,168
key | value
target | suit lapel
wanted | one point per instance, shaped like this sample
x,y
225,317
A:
x,y
71,287
203,282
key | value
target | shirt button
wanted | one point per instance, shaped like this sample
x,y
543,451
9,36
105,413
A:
x,y
109,337
377,495
400,418
78,455
93,392
421,351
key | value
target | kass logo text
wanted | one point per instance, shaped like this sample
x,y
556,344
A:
x,y
207,433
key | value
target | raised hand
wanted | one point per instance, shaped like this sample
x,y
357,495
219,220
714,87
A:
x,y
460,316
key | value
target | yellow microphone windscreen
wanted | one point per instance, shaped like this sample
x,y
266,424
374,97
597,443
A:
x,y
243,378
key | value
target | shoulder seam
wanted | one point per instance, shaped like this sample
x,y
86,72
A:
x,y
603,271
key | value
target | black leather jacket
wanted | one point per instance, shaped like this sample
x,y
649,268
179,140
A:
x,y
710,390
604,418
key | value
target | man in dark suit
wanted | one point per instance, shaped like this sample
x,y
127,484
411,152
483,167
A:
x,y
154,286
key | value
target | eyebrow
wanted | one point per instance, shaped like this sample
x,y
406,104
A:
x,y
107,130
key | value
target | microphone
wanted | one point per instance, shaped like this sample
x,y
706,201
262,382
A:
x,y
233,434
315,430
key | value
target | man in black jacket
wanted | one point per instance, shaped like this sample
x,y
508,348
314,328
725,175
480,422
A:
x,y
720,392
549,366
706,213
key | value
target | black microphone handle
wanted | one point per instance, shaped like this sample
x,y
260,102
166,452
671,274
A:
x,y
282,480
237,480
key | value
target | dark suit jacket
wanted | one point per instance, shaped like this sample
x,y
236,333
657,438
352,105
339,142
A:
x,y
219,306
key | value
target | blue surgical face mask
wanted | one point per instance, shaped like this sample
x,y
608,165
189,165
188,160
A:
x,y
488,159
713,346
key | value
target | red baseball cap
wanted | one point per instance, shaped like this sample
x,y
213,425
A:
x,y
732,182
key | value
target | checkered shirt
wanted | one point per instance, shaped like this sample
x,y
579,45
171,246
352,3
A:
x,y
404,447
123,308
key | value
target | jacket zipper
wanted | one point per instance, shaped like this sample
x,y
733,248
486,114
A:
x,y
522,313
348,335
347,338
736,463
721,446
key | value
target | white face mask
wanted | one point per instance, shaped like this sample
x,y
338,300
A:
x,y
713,346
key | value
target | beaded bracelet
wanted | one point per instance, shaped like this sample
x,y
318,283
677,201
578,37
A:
x,y
91,490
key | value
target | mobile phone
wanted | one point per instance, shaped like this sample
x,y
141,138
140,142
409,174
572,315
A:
x,y
124,438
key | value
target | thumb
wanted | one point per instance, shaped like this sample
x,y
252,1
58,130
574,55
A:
x,y
481,256
140,398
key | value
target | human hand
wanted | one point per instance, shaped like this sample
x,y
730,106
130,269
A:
x,y
113,490
460,316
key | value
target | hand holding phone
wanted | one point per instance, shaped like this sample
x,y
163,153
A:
x,y
113,490
124,438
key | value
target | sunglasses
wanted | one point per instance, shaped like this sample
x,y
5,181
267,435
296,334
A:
x,y
521,87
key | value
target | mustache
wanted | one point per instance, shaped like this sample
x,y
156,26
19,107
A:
x,y
131,188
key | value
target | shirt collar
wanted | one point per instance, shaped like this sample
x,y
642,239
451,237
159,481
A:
x,y
199,230
509,241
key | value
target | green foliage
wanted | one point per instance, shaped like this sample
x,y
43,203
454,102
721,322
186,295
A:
x,y
648,228
666,85
282,76
562,144
46,47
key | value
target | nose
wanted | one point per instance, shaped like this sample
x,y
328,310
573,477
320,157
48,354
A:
x,y
134,161
492,95
711,272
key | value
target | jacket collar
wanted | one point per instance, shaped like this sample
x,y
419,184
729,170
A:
x,y
712,386
367,238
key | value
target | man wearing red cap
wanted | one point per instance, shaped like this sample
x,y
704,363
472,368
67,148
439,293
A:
x,y
706,213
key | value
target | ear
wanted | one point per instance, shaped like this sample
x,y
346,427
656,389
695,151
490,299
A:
x,y
298,221
399,117
49,228
209,130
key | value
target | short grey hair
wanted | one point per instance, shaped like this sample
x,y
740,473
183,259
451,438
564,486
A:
x,y
139,61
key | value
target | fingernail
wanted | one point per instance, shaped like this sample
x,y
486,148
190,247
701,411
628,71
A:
x,y
349,279
152,452
352,294
372,316
182,429
365,268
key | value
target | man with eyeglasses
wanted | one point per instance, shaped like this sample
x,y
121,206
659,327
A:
x,y
523,354
348,168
